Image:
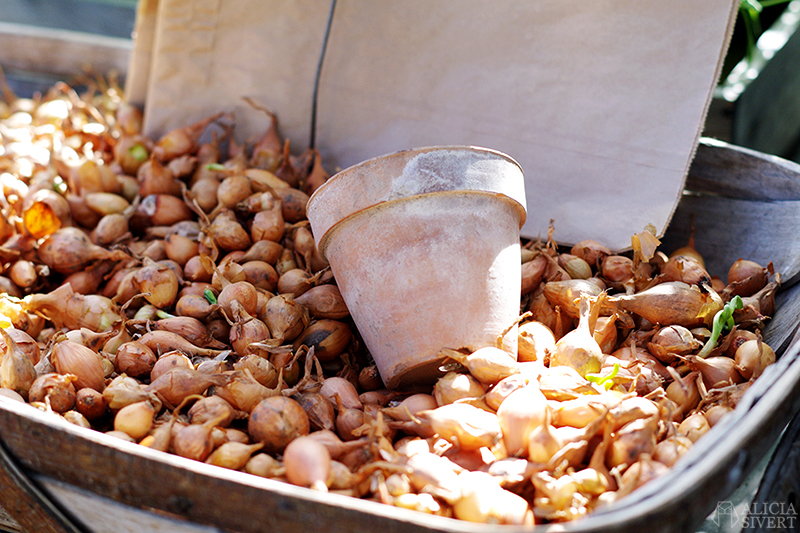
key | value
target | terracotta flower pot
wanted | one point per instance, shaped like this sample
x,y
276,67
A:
x,y
424,245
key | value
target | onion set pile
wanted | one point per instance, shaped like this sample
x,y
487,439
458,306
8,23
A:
x,y
168,292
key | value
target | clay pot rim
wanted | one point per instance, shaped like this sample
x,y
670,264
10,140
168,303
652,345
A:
x,y
328,216
325,238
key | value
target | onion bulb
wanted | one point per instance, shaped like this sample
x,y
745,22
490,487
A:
x,y
752,357
72,358
16,369
578,349
521,412
464,425
536,341
276,421
307,463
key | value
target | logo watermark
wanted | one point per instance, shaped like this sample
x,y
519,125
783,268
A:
x,y
771,515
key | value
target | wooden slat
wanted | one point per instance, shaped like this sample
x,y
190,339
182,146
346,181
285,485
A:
x,y
63,52
737,172
743,204
23,500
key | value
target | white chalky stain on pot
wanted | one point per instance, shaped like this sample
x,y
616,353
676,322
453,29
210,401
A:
x,y
442,171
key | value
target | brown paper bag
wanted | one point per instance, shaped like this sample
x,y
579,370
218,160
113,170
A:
x,y
602,103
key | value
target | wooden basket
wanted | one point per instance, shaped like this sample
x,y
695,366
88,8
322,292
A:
x,y
63,478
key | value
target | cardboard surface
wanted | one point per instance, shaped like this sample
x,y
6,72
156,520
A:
x,y
601,103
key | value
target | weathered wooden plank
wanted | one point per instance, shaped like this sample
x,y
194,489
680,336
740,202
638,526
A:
x,y
7,522
735,172
727,229
229,500
24,501
61,52
102,515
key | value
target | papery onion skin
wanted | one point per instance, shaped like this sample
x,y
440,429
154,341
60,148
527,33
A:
x,y
72,358
521,412
276,421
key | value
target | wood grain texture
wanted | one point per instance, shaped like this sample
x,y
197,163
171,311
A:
x,y
735,172
23,500
740,204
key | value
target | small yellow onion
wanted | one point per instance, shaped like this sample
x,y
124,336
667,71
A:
x,y
632,440
716,370
521,412
577,413
342,388
746,278
752,357
135,419
455,386
243,391
285,317
323,301
90,403
543,444
686,269
74,417
55,390
633,408
694,426
590,251
488,364
715,413
536,341
23,273
194,441
500,391
134,359
307,463
578,348
410,406
605,333
25,342
641,472
617,269
233,455
72,358
684,392
329,338
211,408
483,500
44,212
276,421
576,267
179,383
265,465
158,283
670,341
321,412
17,372
106,203
464,425
669,450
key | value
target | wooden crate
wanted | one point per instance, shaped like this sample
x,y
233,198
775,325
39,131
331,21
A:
x,y
742,204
